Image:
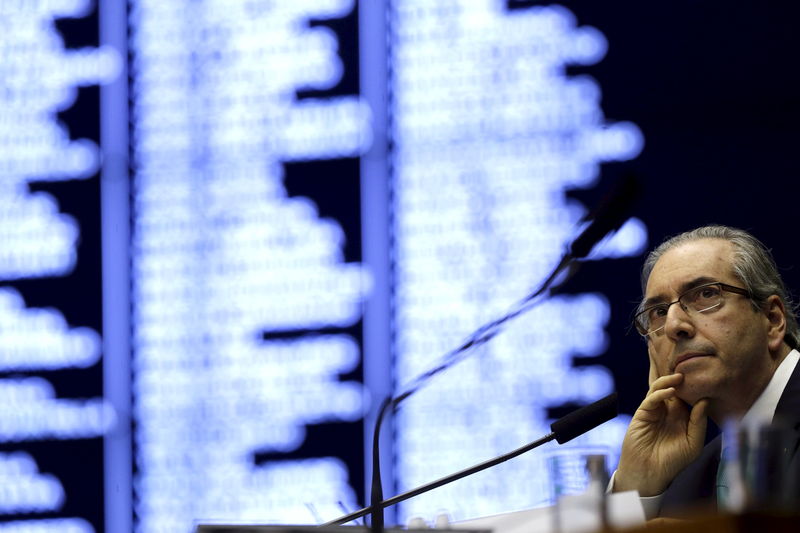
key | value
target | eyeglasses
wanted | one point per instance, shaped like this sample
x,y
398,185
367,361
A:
x,y
700,299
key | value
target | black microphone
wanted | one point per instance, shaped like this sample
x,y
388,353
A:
x,y
562,430
584,419
609,215
376,494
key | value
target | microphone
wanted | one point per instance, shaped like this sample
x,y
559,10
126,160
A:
x,y
609,215
585,419
562,430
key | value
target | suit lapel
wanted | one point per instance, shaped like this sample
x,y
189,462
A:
x,y
787,413
788,408
695,484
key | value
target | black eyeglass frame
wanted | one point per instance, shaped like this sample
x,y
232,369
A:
x,y
723,287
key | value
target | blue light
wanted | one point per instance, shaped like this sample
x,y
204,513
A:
x,y
48,525
40,339
223,256
34,413
38,79
489,132
23,489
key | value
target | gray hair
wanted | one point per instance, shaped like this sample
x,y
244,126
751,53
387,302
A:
x,y
753,265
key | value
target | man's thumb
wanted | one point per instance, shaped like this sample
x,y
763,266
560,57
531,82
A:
x,y
698,420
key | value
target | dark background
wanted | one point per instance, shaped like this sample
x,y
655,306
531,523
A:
x,y
77,463
713,86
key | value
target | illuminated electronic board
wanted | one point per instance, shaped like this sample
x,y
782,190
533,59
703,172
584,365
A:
x,y
53,416
246,305
241,292
488,134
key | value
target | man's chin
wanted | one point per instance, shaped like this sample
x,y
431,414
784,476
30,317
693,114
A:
x,y
692,392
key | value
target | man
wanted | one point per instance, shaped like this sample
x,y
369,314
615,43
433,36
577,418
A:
x,y
721,337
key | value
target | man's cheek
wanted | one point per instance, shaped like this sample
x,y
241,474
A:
x,y
659,362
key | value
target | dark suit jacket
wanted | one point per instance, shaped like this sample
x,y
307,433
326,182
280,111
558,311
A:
x,y
694,488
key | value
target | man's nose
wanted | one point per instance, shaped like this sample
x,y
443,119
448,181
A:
x,y
679,323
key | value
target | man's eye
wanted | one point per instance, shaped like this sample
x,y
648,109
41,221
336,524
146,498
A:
x,y
657,312
708,293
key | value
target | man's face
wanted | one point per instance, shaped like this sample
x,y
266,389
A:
x,y
724,353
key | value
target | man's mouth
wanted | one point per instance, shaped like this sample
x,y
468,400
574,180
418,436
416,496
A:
x,y
686,357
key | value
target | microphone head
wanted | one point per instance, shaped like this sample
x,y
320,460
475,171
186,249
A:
x,y
612,212
585,419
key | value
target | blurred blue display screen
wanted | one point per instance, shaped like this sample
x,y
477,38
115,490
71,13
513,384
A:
x,y
489,133
247,298
53,415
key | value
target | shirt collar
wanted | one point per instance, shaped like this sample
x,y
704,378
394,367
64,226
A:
x,y
763,409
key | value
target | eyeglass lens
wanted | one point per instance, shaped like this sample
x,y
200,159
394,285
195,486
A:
x,y
697,300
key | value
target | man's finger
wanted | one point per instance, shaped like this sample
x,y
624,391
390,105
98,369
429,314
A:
x,y
656,399
698,420
671,380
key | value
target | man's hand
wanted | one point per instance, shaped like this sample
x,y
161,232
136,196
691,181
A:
x,y
664,436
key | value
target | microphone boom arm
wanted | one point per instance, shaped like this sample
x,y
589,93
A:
x,y
562,430
441,481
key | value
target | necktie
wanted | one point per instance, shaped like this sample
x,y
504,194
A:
x,y
731,495
723,480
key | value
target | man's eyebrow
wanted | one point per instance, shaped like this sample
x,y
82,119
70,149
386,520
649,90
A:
x,y
696,282
683,287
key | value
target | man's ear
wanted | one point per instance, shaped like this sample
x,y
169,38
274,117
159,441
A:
x,y
775,313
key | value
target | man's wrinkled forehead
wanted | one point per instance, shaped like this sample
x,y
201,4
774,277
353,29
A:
x,y
680,289
688,265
